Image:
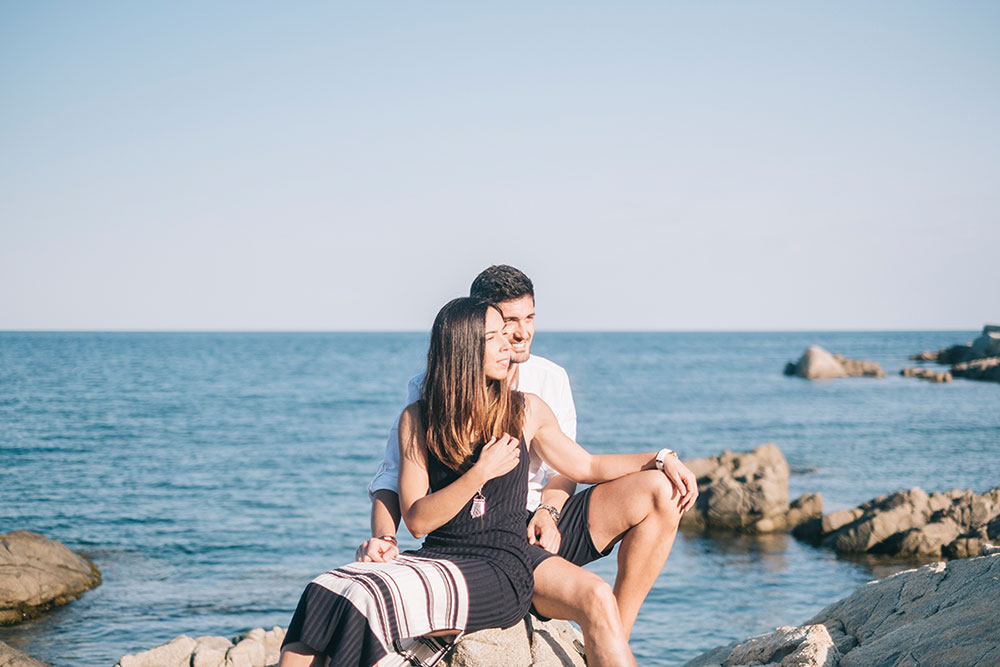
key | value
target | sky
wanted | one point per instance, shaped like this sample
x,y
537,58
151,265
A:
x,y
352,166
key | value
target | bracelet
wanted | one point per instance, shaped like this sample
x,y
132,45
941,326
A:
x,y
662,454
551,510
388,538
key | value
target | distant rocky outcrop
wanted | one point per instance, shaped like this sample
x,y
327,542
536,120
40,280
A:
x,y
747,492
11,657
986,345
927,374
987,368
818,364
37,573
911,524
530,642
940,614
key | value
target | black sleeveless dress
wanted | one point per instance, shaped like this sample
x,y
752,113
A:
x,y
492,550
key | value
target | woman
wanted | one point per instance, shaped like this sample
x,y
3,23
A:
x,y
474,570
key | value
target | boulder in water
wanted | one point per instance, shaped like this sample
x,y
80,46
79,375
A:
x,y
818,364
747,492
37,573
911,524
11,657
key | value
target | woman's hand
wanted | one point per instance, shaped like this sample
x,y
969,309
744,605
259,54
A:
x,y
498,457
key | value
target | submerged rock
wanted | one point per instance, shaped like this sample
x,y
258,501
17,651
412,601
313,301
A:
x,y
530,642
747,492
939,614
37,573
11,657
911,524
818,364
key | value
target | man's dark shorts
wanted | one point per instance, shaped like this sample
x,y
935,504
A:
x,y
576,546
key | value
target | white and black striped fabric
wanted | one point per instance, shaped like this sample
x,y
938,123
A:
x,y
378,613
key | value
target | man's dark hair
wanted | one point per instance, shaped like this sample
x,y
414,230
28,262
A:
x,y
500,283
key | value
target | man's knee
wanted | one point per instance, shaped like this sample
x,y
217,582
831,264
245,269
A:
x,y
597,598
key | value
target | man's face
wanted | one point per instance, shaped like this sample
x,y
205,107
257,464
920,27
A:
x,y
519,326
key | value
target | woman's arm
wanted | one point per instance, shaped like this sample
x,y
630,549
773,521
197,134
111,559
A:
x,y
423,511
569,458
575,462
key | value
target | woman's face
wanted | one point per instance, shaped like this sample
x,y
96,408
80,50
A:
x,y
497,357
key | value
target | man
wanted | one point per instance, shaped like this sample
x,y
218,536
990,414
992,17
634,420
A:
x,y
641,510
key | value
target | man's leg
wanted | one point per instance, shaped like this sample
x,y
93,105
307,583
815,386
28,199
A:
x,y
641,511
563,590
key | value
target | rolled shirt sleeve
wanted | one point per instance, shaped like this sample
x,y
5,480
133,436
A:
x,y
387,477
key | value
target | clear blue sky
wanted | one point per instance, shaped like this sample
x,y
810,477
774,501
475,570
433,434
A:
x,y
651,165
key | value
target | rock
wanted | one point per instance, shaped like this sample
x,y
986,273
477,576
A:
x,y
11,657
986,345
927,374
987,369
808,645
37,573
530,642
912,524
817,364
176,653
939,614
257,648
747,492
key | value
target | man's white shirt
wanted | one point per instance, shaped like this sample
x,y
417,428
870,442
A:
x,y
538,376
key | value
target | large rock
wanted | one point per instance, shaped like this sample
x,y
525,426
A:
x,y
747,492
37,573
11,657
818,364
530,642
986,345
940,614
911,524
987,369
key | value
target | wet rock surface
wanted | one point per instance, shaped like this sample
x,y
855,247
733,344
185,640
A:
x,y
978,360
939,614
747,492
37,573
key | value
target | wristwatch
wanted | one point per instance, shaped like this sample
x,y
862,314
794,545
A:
x,y
661,455
551,510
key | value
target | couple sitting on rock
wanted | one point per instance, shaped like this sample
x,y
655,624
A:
x,y
468,466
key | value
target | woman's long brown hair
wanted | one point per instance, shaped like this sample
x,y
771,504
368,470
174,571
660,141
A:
x,y
459,405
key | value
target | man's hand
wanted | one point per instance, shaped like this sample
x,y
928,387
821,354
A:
x,y
683,480
542,530
376,550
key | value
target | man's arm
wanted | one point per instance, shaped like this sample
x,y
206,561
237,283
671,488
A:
x,y
542,529
384,493
381,547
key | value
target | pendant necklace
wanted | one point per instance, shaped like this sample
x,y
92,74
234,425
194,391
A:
x,y
478,504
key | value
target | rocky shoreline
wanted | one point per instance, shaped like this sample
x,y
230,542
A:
x,y
938,614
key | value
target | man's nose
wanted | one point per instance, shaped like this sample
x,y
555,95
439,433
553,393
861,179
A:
x,y
517,331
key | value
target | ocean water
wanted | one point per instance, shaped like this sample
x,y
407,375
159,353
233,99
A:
x,y
211,476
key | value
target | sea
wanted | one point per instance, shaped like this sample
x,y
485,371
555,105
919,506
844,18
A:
x,y
210,476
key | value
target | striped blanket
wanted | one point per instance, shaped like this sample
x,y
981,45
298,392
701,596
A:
x,y
404,600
